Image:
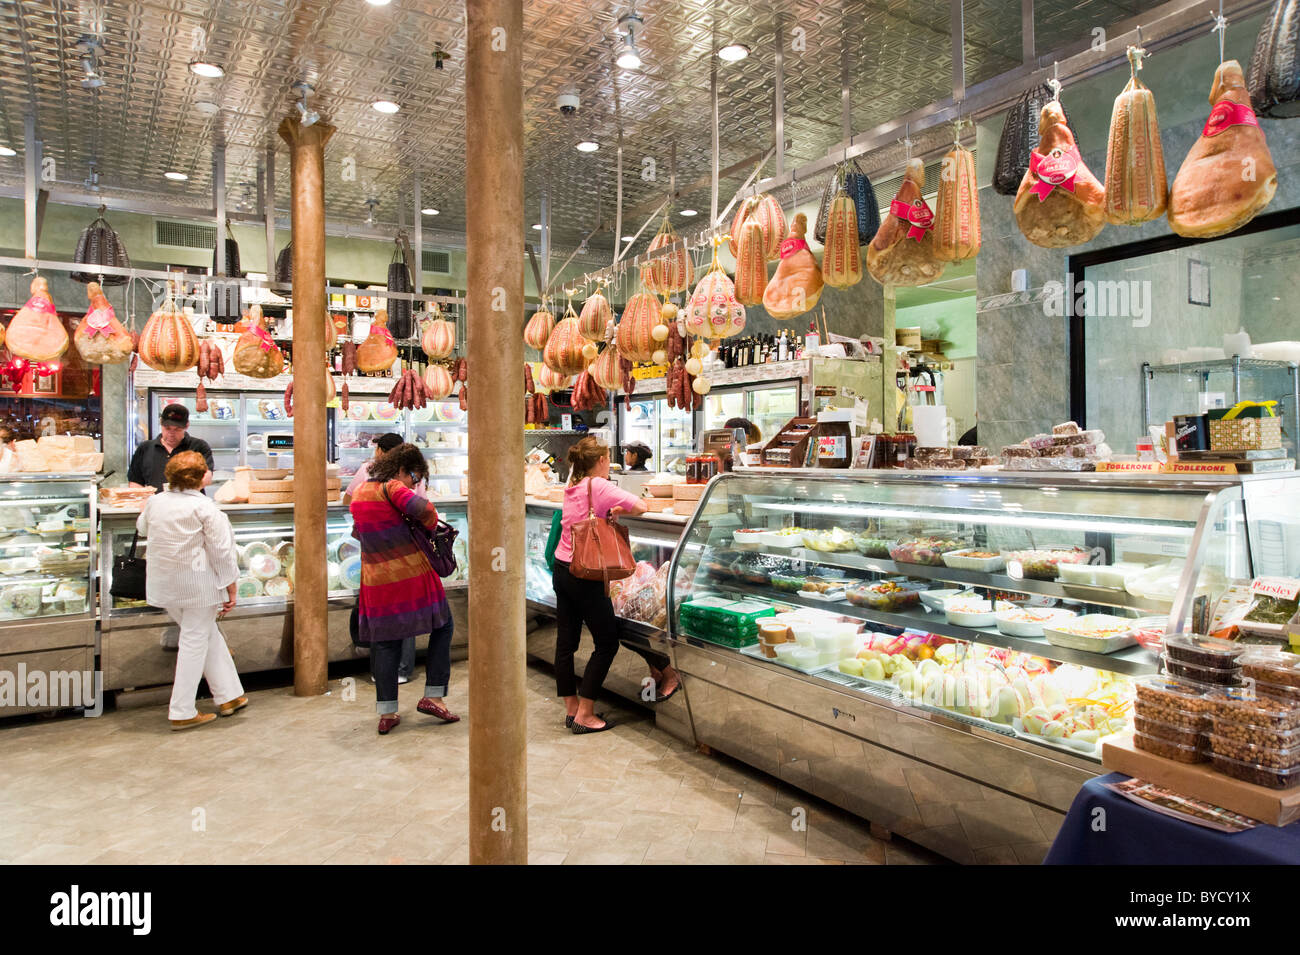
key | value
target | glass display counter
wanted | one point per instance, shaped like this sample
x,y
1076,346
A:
x,y
260,628
47,570
946,654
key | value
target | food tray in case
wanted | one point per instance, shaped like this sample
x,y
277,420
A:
x,y
935,599
1108,643
1210,676
1029,621
1203,651
964,560
1178,752
1257,774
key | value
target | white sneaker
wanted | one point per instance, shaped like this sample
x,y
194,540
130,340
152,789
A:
x,y
403,679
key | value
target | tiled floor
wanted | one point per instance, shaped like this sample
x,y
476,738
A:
x,y
309,781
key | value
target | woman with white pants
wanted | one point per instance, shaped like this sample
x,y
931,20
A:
x,y
192,570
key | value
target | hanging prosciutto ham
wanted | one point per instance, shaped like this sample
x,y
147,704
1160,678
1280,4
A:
x,y
36,332
1060,202
797,284
100,338
902,251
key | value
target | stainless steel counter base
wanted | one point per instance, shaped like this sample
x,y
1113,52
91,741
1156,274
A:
x,y
131,654
626,672
956,789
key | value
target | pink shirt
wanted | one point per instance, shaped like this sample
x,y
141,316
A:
x,y
604,496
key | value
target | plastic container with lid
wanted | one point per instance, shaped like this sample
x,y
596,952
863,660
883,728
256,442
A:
x,y
1210,676
1256,773
834,439
1240,705
1282,669
1178,752
1263,754
1203,651
1227,727
1173,700
1171,732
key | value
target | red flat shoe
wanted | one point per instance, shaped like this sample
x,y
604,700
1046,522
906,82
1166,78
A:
x,y
386,723
431,707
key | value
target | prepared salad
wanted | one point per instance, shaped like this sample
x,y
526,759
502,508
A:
x,y
1042,564
875,546
887,596
833,541
924,550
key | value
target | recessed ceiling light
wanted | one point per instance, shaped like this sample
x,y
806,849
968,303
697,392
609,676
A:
x,y
385,106
429,212
176,176
588,146
733,52
6,151
379,3
209,70
628,238
537,226
689,212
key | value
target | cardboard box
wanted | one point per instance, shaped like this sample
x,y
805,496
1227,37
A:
x,y
908,337
1245,434
1277,807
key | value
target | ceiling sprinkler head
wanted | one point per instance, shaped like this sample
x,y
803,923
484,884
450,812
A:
x,y
439,57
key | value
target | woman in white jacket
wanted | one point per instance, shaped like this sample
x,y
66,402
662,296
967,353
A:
x,y
192,570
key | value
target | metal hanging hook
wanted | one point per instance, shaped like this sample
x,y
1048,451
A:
x,y
1055,81
1220,27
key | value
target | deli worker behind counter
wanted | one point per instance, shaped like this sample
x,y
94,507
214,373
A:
x,y
150,459
634,473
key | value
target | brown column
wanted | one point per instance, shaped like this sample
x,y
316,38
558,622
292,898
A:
x,y
494,206
307,170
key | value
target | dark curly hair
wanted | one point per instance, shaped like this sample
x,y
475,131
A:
x,y
405,457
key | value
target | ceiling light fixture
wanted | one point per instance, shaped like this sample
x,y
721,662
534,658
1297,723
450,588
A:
x,y
6,151
537,226
588,146
628,57
733,52
429,211
379,3
628,238
89,46
307,116
689,212
207,70
176,176
385,106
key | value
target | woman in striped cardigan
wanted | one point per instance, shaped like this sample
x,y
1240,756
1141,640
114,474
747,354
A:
x,y
401,596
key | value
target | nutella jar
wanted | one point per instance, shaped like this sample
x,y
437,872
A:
x,y
834,439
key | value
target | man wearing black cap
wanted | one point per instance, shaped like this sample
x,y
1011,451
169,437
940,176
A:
x,y
150,459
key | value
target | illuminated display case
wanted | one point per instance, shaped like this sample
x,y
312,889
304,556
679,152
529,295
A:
x,y
953,643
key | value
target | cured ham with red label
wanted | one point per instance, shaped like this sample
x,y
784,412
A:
x,y
902,251
1060,202
1229,176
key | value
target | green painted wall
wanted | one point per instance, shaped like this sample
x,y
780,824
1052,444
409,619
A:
x,y
953,321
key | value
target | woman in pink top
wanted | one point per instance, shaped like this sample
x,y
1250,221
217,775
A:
x,y
585,601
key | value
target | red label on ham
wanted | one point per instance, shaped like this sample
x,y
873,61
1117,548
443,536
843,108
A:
x,y
1227,113
918,216
1056,170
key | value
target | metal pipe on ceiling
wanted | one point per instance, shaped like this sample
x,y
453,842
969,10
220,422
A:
x,y
546,243
1027,31
713,96
957,23
31,172
778,104
219,202
417,267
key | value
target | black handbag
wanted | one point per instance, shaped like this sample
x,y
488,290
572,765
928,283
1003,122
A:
x,y
436,545
129,574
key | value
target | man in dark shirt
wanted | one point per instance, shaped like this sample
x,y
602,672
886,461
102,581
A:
x,y
150,459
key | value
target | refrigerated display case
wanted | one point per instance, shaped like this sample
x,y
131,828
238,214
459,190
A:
x,y
669,432
768,406
439,430
259,630
47,572
918,689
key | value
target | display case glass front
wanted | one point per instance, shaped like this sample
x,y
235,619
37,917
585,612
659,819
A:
x,y
267,557
46,538
1022,605
439,430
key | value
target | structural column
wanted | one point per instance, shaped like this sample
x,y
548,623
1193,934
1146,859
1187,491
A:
x,y
494,206
310,602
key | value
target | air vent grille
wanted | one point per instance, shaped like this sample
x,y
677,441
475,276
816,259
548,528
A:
x,y
183,235
437,261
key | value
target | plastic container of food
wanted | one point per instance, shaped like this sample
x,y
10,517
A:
x,y
787,585
785,652
1238,705
748,539
970,612
1173,701
1213,676
1044,564
935,599
1204,651
1171,732
820,585
1282,670
1232,728
885,596
835,540
1255,773
1178,752
877,547
1274,757
924,550
1096,632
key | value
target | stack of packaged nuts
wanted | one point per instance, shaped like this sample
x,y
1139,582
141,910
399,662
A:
x,y
1171,718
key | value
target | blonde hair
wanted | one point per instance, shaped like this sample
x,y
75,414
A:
x,y
584,457
185,471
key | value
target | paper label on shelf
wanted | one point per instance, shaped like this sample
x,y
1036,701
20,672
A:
x,y
1284,588
566,422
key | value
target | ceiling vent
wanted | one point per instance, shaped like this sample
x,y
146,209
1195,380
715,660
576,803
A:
x,y
886,189
183,235
436,261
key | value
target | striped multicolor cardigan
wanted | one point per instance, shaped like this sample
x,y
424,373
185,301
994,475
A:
x,y
401,596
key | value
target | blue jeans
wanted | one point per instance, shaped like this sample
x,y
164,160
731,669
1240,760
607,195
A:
x,y
385,659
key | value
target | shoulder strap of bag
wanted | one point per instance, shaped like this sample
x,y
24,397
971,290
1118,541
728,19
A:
x,y
134,538
591,503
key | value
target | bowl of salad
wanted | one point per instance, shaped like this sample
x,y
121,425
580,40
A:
x,y
924,550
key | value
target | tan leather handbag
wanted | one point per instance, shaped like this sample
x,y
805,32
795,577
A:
x,y
601,550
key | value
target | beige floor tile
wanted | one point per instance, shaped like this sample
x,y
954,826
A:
x,y
623,852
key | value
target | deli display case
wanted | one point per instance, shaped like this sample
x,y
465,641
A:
x,y
134,636
47,572
440,430
945,654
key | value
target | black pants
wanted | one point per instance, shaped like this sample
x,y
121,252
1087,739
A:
x,y
386,657
577,602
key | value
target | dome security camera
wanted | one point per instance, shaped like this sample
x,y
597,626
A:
x,y
567,103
